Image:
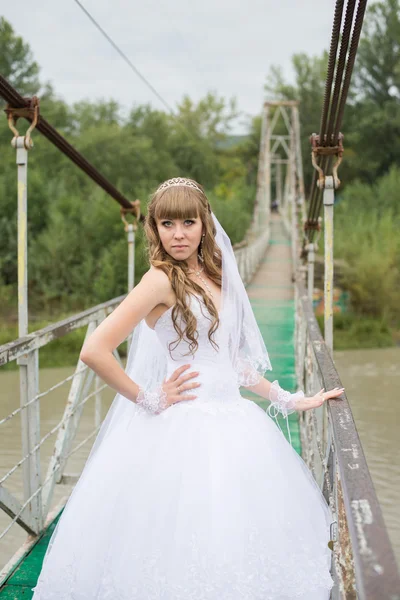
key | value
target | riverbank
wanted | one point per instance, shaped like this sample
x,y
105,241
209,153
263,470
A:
x,y
352,332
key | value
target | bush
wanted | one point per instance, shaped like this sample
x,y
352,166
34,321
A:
x,y
354,331
367,225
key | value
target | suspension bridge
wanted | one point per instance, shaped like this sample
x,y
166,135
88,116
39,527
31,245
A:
x,y
276,262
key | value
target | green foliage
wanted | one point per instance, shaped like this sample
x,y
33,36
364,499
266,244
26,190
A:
x,y
248,151
372,143
83,242
367,225
373,118
377,76
233,207
16,62
354,331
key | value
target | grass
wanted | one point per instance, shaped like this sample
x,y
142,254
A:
x,y
351,331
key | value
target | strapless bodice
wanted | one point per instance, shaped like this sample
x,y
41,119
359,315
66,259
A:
x,y
216,375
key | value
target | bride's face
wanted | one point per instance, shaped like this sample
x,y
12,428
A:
x,y
180,237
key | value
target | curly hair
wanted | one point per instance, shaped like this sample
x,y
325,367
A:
x,y
183,202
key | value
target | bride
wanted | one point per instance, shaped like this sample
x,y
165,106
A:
x,y
190,491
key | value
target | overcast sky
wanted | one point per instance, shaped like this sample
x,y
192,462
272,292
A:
x,y
181,47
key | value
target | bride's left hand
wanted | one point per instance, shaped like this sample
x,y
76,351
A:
x,y
318,399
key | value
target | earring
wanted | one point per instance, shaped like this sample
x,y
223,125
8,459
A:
x,y
201,256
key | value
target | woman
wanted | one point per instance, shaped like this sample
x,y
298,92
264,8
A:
x,y
190,491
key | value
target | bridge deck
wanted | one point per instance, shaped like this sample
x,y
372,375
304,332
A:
x,y
271,293
272,296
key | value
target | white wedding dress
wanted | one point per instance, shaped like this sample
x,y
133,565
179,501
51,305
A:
x,y
205,501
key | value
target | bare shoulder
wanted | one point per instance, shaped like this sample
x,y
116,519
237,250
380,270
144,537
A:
x,y
153,290
158,280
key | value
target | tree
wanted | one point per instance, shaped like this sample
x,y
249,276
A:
x,y
249,150
377,74
373,119
196,132
87,114
16,61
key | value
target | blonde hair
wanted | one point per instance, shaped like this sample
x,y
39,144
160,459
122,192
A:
x,y
183,202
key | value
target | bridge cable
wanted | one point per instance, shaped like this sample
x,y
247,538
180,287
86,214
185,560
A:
x,y
330,102
132,66
324,138
329,140
124,56
331,107
16,101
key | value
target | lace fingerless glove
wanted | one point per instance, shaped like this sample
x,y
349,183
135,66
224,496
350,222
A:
x,y
154,401
281,400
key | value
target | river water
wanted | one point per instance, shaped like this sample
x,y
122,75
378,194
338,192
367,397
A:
x,y
372,382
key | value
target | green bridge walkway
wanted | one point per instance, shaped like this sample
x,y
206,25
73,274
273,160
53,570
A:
x,y
272,297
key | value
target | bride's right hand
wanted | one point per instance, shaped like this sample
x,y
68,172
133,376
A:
x,y
177,384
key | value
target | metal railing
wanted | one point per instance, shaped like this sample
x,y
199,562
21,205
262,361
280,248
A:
x,y
31,512
364,564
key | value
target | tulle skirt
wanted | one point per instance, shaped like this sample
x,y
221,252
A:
x,y
206,501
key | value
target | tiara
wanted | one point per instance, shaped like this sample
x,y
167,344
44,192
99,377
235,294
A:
x,y
178,181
